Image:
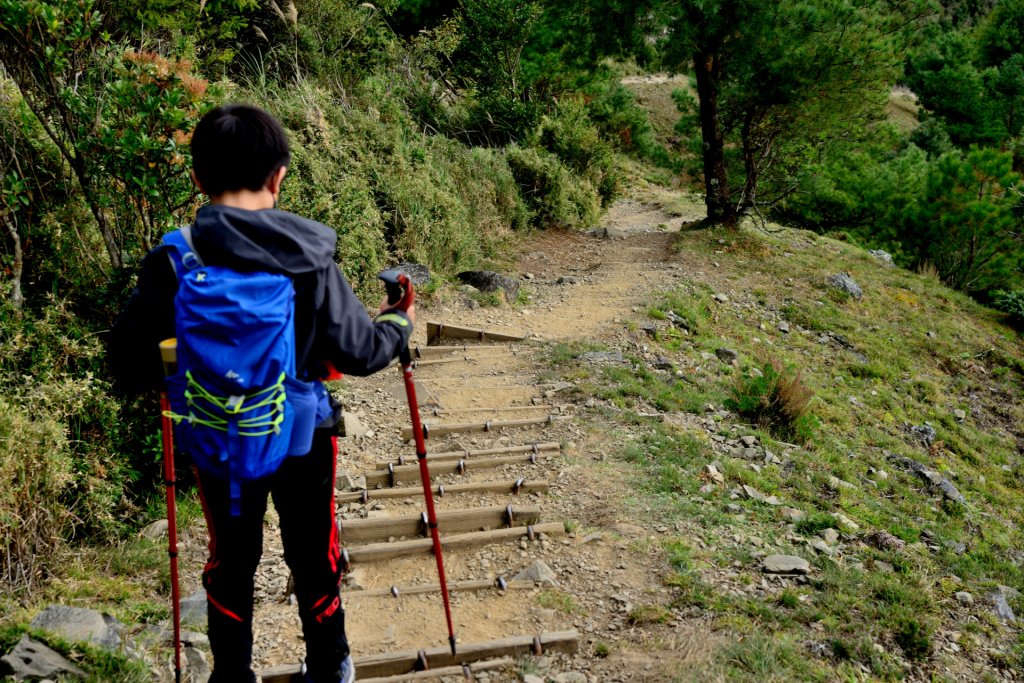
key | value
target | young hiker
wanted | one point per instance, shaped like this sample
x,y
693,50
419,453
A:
x,y
240,157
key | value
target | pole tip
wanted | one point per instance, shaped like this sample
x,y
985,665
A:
x,y
451,641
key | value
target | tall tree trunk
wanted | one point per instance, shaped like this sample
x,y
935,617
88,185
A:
x,y
716,183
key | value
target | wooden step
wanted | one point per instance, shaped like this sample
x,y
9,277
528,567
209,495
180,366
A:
x,y
561,409
376,552
436,430
405,473
402,663
453,586
448,522
466,671
515,487
417,351
466,455
438,331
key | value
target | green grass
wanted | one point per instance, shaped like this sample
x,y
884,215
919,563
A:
x,y
649,614
557,600
910,351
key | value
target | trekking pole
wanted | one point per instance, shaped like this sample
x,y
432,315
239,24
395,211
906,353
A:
x,y
169,356
399,290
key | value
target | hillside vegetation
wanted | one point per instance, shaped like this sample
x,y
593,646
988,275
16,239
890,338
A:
x,y
762,411
450,134
406,157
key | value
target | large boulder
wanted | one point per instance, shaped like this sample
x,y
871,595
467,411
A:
x,y
884,257
489,281
785,564
79,624
417,274
538,572
31,660
845,283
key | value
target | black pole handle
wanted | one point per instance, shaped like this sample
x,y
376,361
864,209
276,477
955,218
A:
x,y
395,284
400,294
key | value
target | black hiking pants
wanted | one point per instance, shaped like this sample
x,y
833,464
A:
x,y
303,493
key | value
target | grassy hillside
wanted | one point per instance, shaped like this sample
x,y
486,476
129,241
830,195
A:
x,y
904,565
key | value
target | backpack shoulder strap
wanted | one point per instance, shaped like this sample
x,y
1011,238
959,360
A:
x,y
182,253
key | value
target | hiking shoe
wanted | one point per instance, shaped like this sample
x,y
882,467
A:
x,y
347,672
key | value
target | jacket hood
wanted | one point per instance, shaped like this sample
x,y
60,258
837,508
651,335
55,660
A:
x,y
269,239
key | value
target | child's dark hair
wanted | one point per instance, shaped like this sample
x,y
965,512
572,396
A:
x,y
237,147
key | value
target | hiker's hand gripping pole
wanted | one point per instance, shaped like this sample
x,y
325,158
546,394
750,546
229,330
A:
x,y
400,295
169,356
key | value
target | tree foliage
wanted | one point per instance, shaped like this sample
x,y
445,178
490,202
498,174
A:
x,y
494,35
778,81
971,80
119,119
967,224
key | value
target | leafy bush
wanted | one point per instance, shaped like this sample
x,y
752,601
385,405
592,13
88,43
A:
x,y
571,136
777,399
555,197
339,41
60,443
121,121
35,466
142,144
866,190
391,191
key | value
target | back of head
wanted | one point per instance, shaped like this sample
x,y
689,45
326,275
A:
x,y
237,147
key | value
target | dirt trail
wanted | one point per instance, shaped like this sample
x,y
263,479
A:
x,y
601,576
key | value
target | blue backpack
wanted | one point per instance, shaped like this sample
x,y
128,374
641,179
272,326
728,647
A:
x,y
238,407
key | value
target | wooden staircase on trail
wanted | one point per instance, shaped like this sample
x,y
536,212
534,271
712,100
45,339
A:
x,y
379,539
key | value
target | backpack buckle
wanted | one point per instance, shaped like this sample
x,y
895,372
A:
x,y
234,404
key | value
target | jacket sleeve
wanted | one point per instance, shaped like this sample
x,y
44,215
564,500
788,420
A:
x,y
352,341
148,318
